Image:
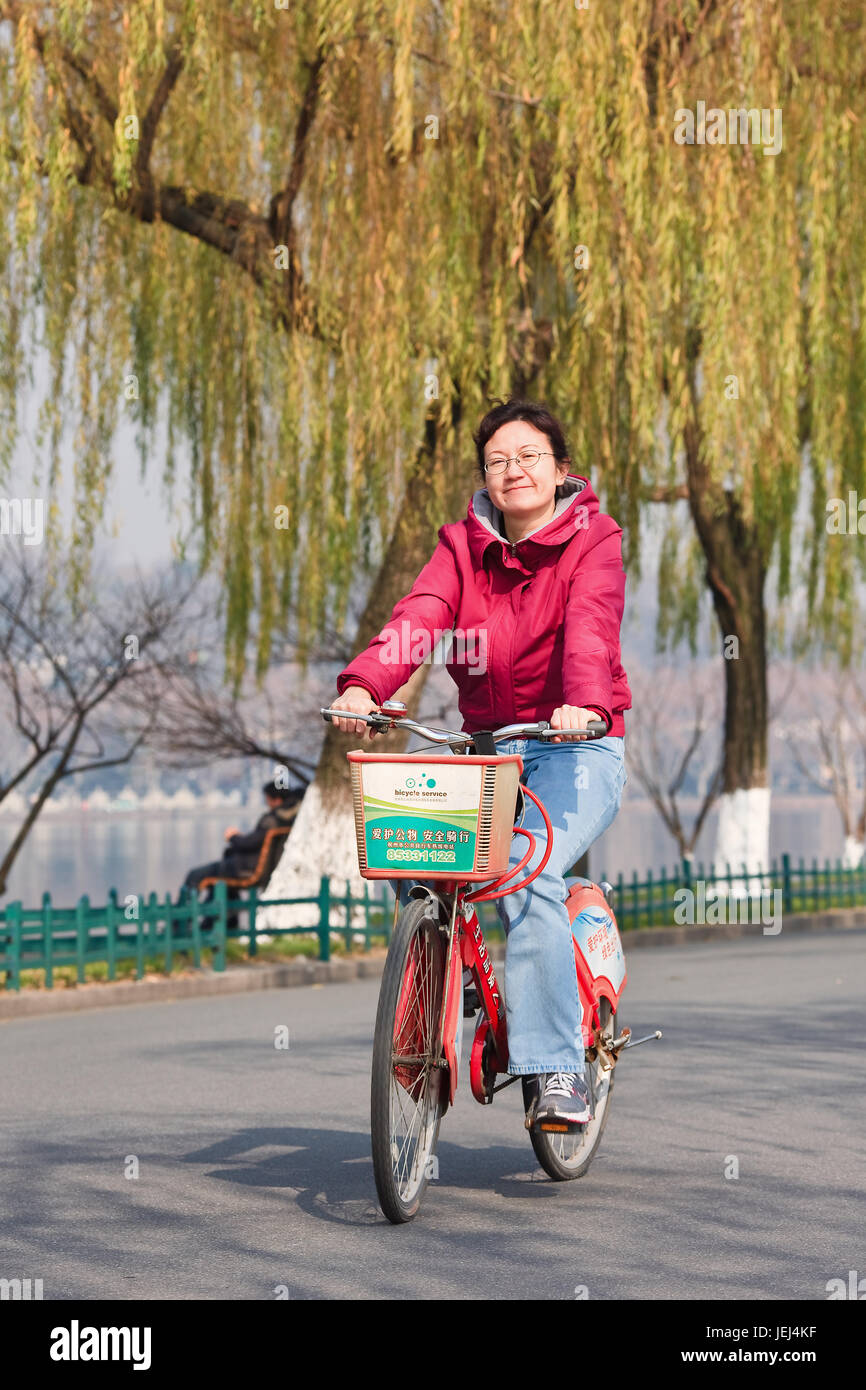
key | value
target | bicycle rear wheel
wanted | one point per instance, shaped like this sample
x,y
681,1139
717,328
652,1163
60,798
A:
x,y
566,1156
409,1086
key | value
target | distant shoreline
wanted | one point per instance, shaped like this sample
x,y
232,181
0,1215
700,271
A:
x,y
780,800
140,812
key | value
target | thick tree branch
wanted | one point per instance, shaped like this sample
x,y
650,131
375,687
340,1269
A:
x,y
164,89
282,203
228,225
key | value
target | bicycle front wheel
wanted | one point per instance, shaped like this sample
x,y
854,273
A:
x,y
409,1084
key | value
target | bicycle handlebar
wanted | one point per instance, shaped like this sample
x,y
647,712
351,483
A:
x,y
596,728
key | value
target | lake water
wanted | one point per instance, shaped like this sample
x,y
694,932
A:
x,y
139,853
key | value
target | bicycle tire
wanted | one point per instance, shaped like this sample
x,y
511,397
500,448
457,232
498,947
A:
x,y
410,1001
567,1156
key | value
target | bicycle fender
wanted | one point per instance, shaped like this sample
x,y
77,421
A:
x,y
419,891
451,1019
599,956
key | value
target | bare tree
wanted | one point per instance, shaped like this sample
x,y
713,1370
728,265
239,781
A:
x,y
202,718
66,667
828,746
675,736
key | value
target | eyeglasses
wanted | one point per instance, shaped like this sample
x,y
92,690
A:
x,y
527,458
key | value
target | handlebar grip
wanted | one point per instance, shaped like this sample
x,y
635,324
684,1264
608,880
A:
x,y
380,722
595,728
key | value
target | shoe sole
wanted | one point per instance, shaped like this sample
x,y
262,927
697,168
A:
x,y
549,1119
554,1122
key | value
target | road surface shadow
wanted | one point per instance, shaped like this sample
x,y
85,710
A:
x,y
331,1171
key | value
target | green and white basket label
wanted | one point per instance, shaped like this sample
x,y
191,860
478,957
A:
x,y
421,815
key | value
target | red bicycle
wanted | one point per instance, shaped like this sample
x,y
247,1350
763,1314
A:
x,y
447,823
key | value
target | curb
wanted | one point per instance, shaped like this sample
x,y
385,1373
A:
x,y
242,979
239,979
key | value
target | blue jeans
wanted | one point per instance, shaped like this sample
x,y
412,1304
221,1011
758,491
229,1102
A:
x,y
580,785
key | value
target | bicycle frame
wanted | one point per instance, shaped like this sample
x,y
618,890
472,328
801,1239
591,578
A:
x,y
467,948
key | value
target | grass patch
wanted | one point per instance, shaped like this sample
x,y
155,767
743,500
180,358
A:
x,y
272,951
96,971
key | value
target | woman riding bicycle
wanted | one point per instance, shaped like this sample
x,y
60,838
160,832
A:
x,y
534,580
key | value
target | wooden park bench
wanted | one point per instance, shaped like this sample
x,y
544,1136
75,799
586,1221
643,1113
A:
x,y
269,856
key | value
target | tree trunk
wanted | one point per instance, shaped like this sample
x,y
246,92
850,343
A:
x,y
323,839
33,812
736,574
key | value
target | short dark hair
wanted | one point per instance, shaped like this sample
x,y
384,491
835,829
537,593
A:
x,y
516,409
284,794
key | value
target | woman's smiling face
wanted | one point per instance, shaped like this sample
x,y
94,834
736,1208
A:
x,y
523,495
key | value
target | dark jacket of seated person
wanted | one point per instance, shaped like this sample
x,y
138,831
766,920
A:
x,y
245,849
241,854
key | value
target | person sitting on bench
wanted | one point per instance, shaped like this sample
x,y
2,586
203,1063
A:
x,y
241,854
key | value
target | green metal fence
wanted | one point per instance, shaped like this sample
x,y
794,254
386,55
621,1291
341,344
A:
x,y
151,932
658,900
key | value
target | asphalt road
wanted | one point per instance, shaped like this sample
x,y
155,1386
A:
x,y
254,1169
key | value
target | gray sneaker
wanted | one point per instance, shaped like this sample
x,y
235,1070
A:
x,y
563,1099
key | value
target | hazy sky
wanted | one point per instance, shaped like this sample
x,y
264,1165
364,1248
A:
x,y
136,507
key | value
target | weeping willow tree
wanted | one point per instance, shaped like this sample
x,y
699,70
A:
x,y
309,241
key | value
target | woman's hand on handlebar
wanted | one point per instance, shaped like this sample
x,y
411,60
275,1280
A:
x,y
355,700
572,718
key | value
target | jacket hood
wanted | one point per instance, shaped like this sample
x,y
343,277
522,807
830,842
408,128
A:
x,y
486,524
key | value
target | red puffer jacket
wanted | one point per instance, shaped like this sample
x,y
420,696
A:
x,y
535,624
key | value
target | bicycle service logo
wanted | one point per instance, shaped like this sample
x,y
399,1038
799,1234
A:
x,y
421,785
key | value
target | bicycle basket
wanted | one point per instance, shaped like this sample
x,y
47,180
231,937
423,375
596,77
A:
x,y
434,817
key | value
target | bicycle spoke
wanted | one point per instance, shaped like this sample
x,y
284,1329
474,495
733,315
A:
x,y
401,1160
413,1096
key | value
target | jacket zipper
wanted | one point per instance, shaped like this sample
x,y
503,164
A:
x,y
522,587
490,666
